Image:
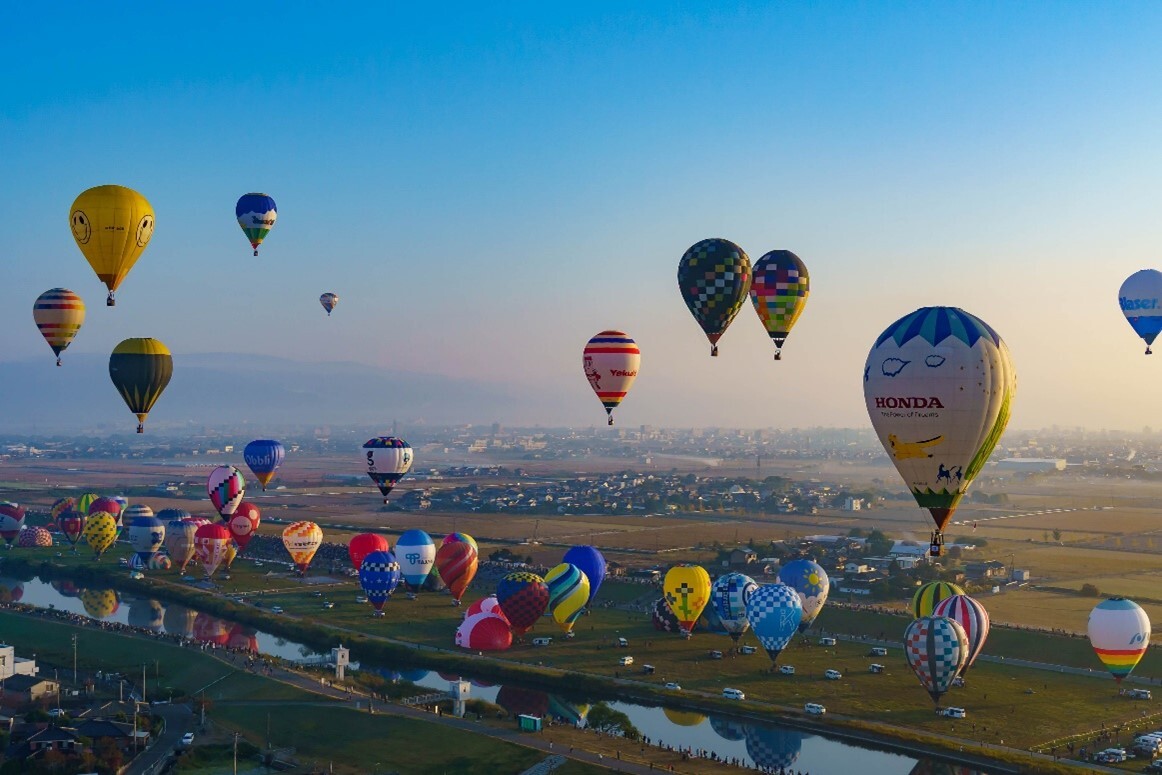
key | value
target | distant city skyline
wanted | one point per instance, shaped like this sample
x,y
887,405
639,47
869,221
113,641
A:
x,y
485,189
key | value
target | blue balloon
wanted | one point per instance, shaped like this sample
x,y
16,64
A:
x,y
772,747
808,578
264,456
146,535
415,553
728,597
173,515
774,612
379,576
592,564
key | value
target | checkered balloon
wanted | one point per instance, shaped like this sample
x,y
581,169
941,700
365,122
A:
x,y
714,277
379,575
773,748
774,611
728,597
937,649
523,598
779,292
663,618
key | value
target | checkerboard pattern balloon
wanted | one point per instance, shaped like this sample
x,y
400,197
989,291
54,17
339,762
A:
x,y
936,648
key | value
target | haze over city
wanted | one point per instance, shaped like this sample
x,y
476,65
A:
x,y
487,189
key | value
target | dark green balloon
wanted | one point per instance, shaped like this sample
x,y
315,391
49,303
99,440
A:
x,y
140,370
714,278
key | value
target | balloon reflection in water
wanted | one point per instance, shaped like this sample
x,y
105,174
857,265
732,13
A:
x,y
100,603
728,729
683,718
179,620
149,614
527,702
772,747
211,629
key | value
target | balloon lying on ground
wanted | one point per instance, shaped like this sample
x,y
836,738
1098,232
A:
x,y
34,537
484,632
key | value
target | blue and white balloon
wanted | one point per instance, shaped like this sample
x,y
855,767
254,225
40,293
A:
x,y
774,611
416,552
808,578
728,597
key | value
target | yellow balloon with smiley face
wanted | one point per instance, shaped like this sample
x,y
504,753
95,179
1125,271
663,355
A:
x,y
112,226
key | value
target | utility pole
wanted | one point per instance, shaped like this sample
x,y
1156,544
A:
x,y
236,753
74,658
143,682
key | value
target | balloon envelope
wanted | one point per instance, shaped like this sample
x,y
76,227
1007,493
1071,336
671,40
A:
x,y
611,361
379,575
263,457
454,537
774,611
484,632
687,590
728,597
59,314
72,525
256,214
112,226
388,459
329,302
927,596
302,540
100,532
523,597
364,544
808,578
456,563
939,385
11,521
146,535
663,618
179,541
61,506
568,592
140,370
416,553
972,617
210,545
1140,298
779,293
1119,631
714,277
591,562
226,489
243,523
936,648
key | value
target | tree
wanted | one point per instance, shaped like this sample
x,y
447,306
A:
x,y
605,719
1090,590
1057,534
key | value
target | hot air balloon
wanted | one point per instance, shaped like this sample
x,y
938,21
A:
x,y
364,544
972,617
302,540
11,521
774,611
148,614
687,589
130,513
936,648
231,554
146,535
60,507
388,459
939,385
107,505
59,314
683,718
72,525
179,620
34,537
416,552
456,563
112,226
927,596
179,541
728,596
379,575
485,605
714,277
226,488
210,629
329,302
568,593
12,590
663,618
256,215
611,361
591,562
140,370
727,728
100,532
808,578
243,638
523,597
1119,632
773,748
523,702
210,543
264,456
709,621
122,501
100,603
85,501
452,538
170,515
243,523
1140,298
778,292
484,632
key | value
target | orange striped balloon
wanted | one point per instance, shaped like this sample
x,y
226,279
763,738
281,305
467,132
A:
x,y
59,314
611,361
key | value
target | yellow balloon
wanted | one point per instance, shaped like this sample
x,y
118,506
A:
x,y
687,589
100,531
112,226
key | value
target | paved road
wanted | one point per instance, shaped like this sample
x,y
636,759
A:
x,y
179,719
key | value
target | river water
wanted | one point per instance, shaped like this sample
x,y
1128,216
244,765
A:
x,y
759,745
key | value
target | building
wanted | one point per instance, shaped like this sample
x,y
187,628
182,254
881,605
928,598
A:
x,y
977,571
24,689
11,665
852,504
742,556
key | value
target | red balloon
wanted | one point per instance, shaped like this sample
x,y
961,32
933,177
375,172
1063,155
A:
x,y
243,523
484,632
211,629
523,597
363,545
485,605
107,505
456,563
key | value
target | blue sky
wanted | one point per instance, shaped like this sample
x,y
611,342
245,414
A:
x,y
486,189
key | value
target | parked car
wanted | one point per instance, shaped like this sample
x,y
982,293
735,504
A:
x,y
875,668
733,694
715,655
328,604
827,641
276,609
748,650
878,651
57,713
815,709
624,661
1111,756
833,675
360,599
952,712
1139,694
787,669
673,686
1154,766
188,739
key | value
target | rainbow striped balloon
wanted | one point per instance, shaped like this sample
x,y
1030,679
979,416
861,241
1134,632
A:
x,y
611,361
59,314
1119,632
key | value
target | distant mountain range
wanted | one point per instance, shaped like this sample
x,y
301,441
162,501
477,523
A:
x,y
225,388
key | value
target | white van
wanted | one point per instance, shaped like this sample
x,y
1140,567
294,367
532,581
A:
x,y
625,661
827,641
878,651
733,694
542,641
1139,694
815,709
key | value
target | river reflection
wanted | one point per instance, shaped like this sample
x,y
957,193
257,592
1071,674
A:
x,y
766,746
